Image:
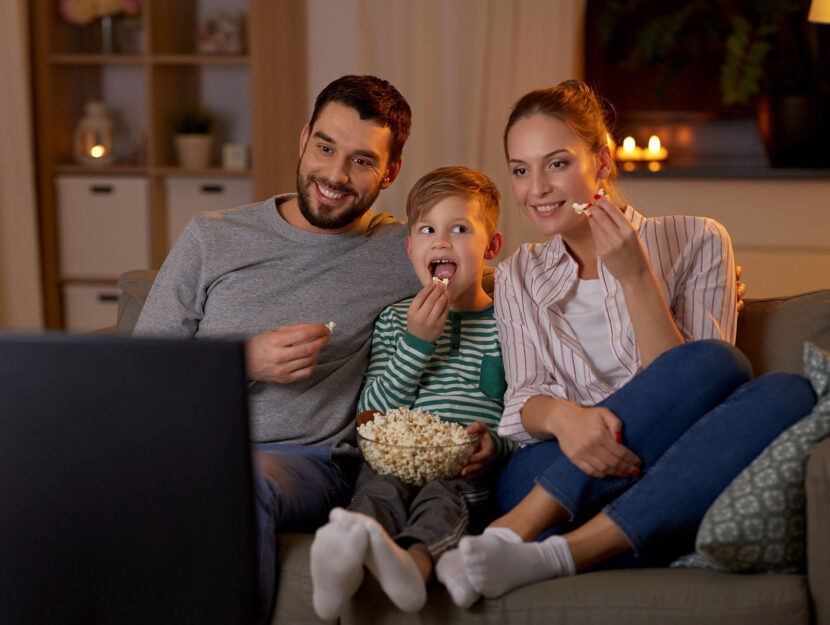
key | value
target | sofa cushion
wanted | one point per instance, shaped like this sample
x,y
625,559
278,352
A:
x,y
135,286
603,597
772,332
758,523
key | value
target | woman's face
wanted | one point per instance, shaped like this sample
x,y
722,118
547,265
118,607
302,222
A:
x,y
550,169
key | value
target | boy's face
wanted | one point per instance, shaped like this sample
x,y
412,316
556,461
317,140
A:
x,y
451,240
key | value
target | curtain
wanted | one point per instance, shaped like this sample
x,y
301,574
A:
x,y
20,292
461,64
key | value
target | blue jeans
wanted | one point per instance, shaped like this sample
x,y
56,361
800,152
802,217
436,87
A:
x,y
295,487
695,420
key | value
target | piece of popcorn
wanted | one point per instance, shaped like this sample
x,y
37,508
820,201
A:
x,y
444,281
579,209
330,327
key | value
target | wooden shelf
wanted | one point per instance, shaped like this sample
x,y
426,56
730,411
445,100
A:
x,y
141,89
209,172
198,59
96,59
101,170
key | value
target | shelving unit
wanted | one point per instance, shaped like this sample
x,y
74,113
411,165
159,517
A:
x,y
246,92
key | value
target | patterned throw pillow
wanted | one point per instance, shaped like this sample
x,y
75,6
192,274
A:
x,y
758,523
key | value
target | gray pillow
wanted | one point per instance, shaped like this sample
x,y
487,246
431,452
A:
x,y
757,524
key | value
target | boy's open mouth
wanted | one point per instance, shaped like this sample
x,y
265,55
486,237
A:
x,y
442,268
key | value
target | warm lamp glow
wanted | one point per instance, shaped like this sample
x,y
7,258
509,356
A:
x,y
819,12
97,151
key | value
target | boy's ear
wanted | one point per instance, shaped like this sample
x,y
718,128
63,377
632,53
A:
x,y
392,172
408,248
494,246
304,138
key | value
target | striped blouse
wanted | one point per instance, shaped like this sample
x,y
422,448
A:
x,y
460,377
692,259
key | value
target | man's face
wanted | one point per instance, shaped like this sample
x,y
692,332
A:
x,y
344,164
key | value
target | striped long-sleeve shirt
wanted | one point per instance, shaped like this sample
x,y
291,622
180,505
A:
x,y
460,377
693,262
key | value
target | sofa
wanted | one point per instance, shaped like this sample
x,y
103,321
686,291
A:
x,y
771,332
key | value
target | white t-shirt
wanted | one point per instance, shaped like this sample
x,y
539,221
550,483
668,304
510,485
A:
x,y
584,310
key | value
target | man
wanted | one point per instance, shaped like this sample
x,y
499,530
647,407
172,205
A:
x,y
273,273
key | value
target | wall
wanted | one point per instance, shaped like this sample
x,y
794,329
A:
x,y
20,300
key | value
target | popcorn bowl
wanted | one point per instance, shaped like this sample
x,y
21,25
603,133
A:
x,y
414,464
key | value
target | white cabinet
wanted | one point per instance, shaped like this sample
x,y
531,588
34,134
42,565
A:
x,y
187,196
104,225
89,307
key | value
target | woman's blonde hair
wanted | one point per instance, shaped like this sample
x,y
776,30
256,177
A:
x,y
577,105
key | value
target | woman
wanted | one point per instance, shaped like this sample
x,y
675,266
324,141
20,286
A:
x,y
631,423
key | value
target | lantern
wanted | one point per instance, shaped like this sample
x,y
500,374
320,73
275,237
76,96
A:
x,y
93,136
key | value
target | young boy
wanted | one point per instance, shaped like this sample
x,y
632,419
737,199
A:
x,y
437,351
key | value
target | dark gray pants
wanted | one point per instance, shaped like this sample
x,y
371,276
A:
x,y
437,514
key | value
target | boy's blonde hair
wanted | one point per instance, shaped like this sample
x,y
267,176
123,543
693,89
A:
x,y
448,181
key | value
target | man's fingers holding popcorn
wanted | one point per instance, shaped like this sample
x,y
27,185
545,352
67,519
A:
x,y
285,354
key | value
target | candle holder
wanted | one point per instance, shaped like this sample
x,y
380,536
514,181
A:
x,y
630,155
93,136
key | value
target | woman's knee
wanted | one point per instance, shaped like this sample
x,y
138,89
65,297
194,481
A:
x,y
711,358
789,390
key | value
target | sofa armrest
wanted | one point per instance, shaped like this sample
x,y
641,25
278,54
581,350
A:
x,y
817,483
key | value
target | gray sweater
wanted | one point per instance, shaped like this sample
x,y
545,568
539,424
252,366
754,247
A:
x,y
239,272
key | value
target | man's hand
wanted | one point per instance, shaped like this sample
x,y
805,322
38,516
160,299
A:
x,y
741,290
428,312
285,354
483,454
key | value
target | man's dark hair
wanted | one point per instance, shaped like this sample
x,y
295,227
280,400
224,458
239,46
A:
x,y
372,98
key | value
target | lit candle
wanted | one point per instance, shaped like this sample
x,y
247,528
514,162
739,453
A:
x,y
629,151
655,151
97,151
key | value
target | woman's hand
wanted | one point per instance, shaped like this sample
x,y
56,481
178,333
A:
x,y
591,438
617,243
483,454
428,312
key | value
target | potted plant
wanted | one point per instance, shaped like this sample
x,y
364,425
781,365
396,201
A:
x,y
192,126
766,52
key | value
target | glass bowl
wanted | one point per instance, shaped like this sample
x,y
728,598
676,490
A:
x,y
415,464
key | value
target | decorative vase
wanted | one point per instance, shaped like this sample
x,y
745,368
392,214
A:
x,y
107,41
193,151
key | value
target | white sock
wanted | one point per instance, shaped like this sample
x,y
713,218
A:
x,y
498,561
450,571
393,567
337,554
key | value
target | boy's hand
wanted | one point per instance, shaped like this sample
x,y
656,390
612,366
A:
x,y
483,454
285,354
428,312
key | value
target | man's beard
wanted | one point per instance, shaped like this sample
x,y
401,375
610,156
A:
x,y
334,220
